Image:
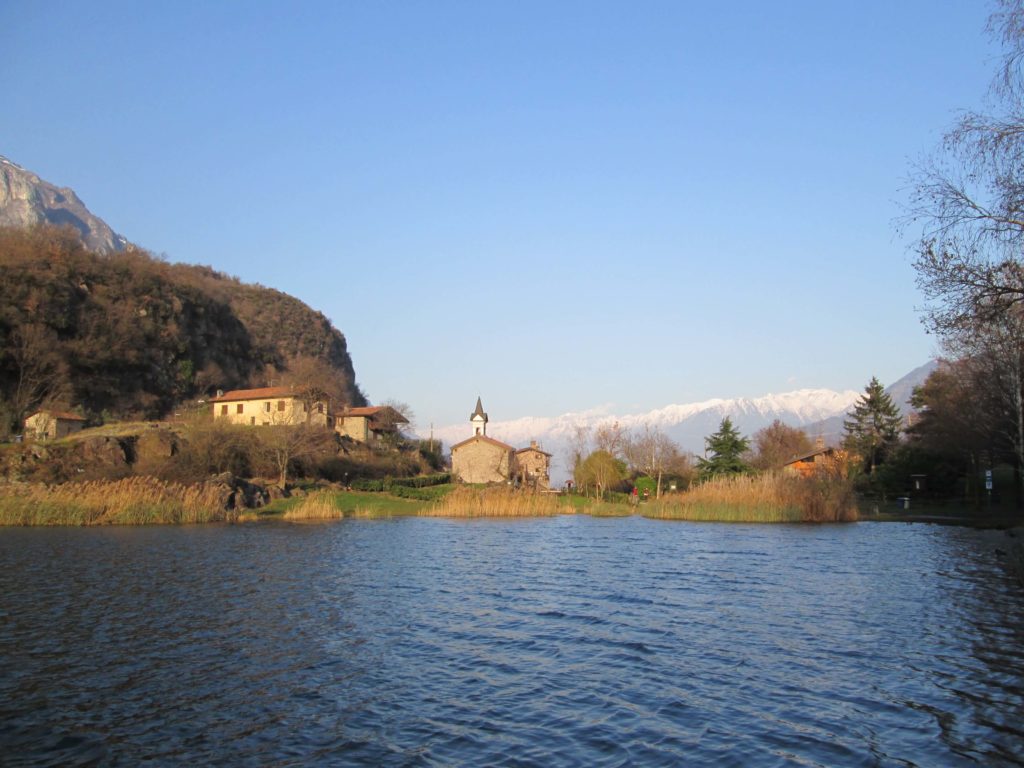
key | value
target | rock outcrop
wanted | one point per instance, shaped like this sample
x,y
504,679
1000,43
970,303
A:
x,y
27,200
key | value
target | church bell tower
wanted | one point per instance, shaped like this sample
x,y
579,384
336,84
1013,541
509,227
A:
x,y
478,419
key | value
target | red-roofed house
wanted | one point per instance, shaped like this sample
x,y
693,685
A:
x,y
49,425
269,406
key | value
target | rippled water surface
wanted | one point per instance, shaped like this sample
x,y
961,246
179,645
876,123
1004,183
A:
x,y
566,641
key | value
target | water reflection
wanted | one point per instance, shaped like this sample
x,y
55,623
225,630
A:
x,y
572,641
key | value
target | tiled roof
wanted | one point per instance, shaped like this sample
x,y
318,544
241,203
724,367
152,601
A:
x,y
811,455
373,410
532,448
262,393
486,439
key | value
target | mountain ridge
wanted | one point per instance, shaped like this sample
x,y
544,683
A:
x,y
812,409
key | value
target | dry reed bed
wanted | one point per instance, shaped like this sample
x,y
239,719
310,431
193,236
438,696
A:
x,y
767,498
138,500
496,502
321,505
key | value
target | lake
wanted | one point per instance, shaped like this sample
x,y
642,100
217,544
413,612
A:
x,y
570,641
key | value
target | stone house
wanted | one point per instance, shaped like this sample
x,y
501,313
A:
x,y
267,406
533,466
50,425
369,424
482,459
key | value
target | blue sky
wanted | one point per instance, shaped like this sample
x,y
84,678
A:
x,y
552,205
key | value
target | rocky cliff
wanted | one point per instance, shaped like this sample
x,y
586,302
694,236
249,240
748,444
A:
x,y
27,200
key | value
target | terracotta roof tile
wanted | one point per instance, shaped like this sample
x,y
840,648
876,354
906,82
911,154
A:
x,y
484,438
262,393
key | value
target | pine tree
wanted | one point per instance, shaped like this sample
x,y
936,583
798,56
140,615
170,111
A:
x,y
727,447
874,426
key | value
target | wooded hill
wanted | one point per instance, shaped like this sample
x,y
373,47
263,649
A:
x,y
127,335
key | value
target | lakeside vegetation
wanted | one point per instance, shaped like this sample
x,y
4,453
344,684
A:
x,y
131,501
766,498
147,500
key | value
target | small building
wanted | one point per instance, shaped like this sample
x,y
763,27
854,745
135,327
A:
x,y
369,424
482,459
533,466
50,425
808,464
267,406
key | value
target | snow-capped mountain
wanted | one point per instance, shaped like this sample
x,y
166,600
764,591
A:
x,y
819,411
687,424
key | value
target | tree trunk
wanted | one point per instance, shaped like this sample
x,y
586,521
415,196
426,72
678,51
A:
x,y
1018,403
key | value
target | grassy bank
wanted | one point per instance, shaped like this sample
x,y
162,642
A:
x,y
133,501
768,498
332,505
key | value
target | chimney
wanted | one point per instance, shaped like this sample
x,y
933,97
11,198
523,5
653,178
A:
x,y
819,443
533,443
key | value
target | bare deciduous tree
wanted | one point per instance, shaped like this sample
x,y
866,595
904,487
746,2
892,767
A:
x,y
41,373
579,446
652,453
778,443
315,382
611,438
280,444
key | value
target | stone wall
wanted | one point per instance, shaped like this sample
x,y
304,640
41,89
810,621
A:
x,y
481,461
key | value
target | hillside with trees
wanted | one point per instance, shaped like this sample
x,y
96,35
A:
x,y
128,335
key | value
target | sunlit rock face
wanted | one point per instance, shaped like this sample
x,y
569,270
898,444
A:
x,y
26,200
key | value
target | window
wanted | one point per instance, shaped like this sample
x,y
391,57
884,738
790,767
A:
x,y
239,407
266,407
280,405
319,407
224,410
252,420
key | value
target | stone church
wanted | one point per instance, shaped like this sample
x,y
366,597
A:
x,y
482,459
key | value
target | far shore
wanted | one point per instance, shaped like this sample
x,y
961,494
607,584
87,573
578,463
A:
x,y
147,501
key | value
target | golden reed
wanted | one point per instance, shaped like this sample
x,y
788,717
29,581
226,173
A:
x,y
317,506
767,498
140,500
496,502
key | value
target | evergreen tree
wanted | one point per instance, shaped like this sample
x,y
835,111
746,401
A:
x,y
874,426
727,447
